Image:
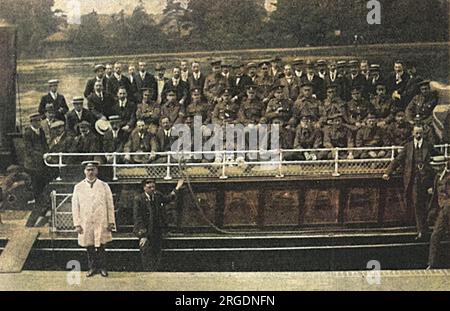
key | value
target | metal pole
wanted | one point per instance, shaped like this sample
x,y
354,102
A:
x,y
168,177
115,166
59,167
53,200
224,161
336,163
280,165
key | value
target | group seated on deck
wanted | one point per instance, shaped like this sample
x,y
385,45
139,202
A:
x,y
317,105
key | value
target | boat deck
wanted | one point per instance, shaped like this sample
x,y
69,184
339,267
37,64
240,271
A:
x,y
407,280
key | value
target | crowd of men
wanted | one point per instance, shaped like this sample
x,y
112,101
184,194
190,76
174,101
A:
x,y
322,104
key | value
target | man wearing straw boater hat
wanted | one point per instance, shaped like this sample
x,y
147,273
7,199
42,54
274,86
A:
x,y
93,217
53,97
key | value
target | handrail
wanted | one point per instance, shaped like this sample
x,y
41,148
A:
x,y
222,159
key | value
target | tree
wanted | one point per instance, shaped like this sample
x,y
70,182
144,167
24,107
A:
x,y
35,21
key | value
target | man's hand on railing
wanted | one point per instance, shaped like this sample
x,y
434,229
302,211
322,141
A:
x,y
350,156
386,177
430,191
127,158
142,242
79,229
179,184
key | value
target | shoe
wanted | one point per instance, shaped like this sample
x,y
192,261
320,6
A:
x,y
104,273
90,273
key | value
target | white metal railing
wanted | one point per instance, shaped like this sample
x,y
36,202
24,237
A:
x,y
62,220
226,163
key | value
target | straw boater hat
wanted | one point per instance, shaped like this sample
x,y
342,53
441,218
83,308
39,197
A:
x,y
102,126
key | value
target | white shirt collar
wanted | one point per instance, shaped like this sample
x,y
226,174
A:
x,y
53,95
418,143
37,131
79,114
118,77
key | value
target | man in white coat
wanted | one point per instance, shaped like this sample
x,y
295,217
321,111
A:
x,y
93,217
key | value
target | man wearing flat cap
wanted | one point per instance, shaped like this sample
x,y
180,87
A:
x,y
47,122
264,82
53,97
251,109
93,217
100,77
149,215
214,82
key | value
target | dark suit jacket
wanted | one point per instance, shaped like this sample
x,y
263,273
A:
x,y
405,159
127,114
111,144
72,120
36,147
164,142
392,85
89,89
149,216
114,84
148,82
101,107
60,102
241,87
318,85
194,83
182,90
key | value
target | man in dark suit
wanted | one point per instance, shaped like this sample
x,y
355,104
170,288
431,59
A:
x,y
145,80
241,81
196,79
100,104
36,144
164,136
418,177
118,80
180,87
160,82
317,82
355,78
290,83
78,115
99,76
132,78
149,214
126,109
58,101
115,138
396,85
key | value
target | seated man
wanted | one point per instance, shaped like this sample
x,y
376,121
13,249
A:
x,y
100,103
306,103
148,111
50,117
399,131
332,105
423,104
370,135
279,107
383,106
308,137
225,112
86,142
78,115
358,108
114,139
251,108
338,135
172,108
199,107
140,141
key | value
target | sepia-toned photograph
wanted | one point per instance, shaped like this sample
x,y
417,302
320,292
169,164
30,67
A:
x,y
224,145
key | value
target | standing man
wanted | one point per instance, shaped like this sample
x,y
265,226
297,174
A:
x,y
93,217
442,224
396,85
149,221
118,80
57,100
99,76
417,177
145,80
160,82
196,79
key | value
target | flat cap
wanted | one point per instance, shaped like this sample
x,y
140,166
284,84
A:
x,y
35,116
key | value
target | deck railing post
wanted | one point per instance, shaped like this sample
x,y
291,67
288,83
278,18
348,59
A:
x,y
336,163
53,202
224,162
280,165
115,166
168,176
59,166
